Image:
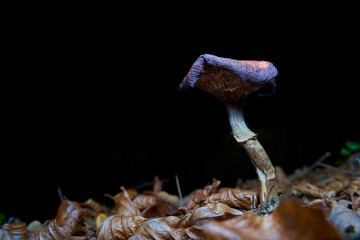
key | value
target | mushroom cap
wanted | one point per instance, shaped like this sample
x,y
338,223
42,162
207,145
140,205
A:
x,y
230,80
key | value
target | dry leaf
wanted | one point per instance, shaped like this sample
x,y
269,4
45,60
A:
x,y
337,185
124,206
75,216
165,228
173,200
14,231
289,221
237,198
100,219
144,201
344,219
325,204
202,194
119,227
160,209
93,205
314,191
355,198
218,211
157,185
354,186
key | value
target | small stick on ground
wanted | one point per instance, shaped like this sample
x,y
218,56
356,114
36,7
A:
x,y
307,170
353,174
178,187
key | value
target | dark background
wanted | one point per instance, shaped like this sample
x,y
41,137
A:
x,y
90,94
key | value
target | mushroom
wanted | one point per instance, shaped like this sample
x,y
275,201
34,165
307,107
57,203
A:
x,y
232,81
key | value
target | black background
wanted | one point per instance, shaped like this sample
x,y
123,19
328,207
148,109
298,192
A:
x,y
90,94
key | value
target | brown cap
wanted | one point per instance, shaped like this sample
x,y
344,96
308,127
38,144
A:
x,y
228,79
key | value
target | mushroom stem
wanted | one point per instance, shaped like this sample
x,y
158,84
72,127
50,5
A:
x,y
261,161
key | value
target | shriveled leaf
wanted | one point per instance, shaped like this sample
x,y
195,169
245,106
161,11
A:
x,y
314,191
15,230
282,179
165,228
202,194
144,201
100,219
218,211
288,221
160,209
124,206
173,200
119,227
356,202
325,204
53,232
234,197
157,185
75,216
93,205
354,186
344,219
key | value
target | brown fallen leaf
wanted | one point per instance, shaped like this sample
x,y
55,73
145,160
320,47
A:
x,y
119,227
314,191
355,198
144,201
124,206
14,231
354,186
93,205
173,200
289,221
160,209
218,211
157,185
234,197
325,204
282,179
202,194
75,216
344,219
165,228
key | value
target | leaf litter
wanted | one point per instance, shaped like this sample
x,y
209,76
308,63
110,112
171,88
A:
x,y
316,203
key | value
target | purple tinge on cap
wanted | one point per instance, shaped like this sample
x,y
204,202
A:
x,y
228,79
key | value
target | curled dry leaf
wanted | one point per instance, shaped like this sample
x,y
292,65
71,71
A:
x,y
165,228
288,221
337,185
144,201
119,227
14,231
314,191
100,219
218,211
344,219
325,204
157,185
354,186
124,206
53,232
93,205
202,194
356,202
237,198
160,209
75,215
173,200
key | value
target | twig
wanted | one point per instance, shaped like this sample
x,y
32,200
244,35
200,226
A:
x,y
60,194
353,174
178,187
307,170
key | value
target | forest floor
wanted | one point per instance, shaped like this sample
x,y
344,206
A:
x,y
320,201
